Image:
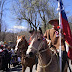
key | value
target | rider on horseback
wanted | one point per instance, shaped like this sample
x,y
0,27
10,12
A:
x,y
53,35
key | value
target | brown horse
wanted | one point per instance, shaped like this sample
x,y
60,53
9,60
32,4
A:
x,y
22,45
47,59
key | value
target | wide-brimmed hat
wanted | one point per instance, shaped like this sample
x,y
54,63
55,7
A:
x,y
54,20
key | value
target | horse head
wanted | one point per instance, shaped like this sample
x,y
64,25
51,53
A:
x,y
21,44
37,44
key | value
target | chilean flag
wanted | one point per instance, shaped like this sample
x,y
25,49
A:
x,y
66,29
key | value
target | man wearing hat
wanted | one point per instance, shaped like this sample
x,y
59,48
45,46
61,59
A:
x,y
53,35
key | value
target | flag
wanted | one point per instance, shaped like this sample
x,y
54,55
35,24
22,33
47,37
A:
x,y
66,29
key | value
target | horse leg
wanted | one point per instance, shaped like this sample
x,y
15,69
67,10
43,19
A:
x,y
31,69
23,68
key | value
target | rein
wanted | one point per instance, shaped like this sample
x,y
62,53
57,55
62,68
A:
x,y
44,66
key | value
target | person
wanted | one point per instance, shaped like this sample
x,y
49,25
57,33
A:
x,y
13,55
9,55
5,48
6,58
53,35
13,50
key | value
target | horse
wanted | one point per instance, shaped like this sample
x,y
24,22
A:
x,y
47,59
22,46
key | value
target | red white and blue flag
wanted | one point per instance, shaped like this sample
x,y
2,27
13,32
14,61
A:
x,y
66,29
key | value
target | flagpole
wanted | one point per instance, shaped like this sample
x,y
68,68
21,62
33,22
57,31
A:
x,y
60,55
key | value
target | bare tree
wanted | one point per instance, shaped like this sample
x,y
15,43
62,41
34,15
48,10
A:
x,y
4,29
3,26
33,11
2,3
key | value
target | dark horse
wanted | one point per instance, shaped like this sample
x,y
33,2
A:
x,y
22,46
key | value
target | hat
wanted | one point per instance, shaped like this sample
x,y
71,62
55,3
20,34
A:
x,y
54,20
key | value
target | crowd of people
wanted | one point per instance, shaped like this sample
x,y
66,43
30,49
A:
x,y
8,56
